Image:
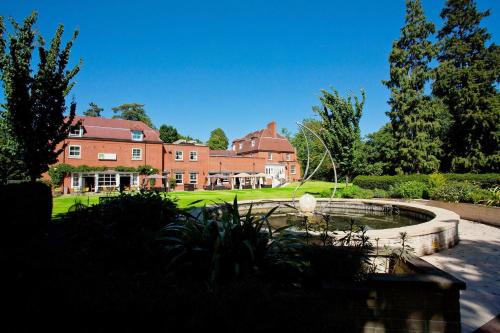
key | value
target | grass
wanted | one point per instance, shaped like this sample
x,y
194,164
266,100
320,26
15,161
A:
x,y
184,199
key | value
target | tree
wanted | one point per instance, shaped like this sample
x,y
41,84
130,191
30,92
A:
x,y
190,138
413,115
466,79
132,111
169,134
35,100
340,128
93,111
218,140
380,148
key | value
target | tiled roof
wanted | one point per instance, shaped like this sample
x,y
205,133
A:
x,y
266,139
118,129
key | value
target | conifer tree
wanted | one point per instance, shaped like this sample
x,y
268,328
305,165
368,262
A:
x,y
465,81
413,115
218,140
93,111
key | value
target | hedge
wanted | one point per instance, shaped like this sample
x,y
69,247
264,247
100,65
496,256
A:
x,y
486,180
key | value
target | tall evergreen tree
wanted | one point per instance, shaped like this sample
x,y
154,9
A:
x,y
93,111
340,129
218,140
132,111
413,115
466,81
35,100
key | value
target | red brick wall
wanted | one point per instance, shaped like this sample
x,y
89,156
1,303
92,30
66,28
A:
x,y
185,166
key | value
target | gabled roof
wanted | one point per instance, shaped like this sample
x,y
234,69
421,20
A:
x,y
117,129
266,139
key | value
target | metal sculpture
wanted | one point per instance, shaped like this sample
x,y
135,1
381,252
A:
x,y
303,128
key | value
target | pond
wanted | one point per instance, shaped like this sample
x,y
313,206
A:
x,y
340,219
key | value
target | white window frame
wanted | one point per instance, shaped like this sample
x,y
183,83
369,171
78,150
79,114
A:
x,y
105,180
195,155
79,151
135,158
182,178
195,178
288,157
134,181
240,145
293,169
134,132
76,176
253,142
269,156
181,155
76,135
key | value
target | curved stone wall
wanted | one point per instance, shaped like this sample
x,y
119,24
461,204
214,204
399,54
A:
x,y
440,232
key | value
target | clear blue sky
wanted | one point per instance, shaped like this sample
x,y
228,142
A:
x,y
198,65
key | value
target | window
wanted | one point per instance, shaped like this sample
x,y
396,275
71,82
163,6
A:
x,y
178,178
234,147
106,180
75,180
193,156
288,157
136,153
179,155
137,135
75,152
253,143
241,145
193,178
270,156
76,131
135,179
292,169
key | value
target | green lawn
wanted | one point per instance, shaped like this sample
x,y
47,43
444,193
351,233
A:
x,y
62,203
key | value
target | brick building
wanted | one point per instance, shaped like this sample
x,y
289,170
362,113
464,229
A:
x,y
110,147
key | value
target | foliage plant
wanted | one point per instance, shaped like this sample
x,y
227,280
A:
x,y
410,190
356,192
454,192
340,128
168,133
35,100
413,115
93,111
467,82
218,140
220,245
132,111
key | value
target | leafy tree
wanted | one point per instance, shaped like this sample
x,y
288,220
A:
x,y
466,79
132,111
169,134
340,128
10,165
379,150
413,115
190,138
218,140
316,150
93,111
35,100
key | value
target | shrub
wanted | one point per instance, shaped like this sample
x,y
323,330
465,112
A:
x,y
379,193
455,192
410,190
485,180
385,182
58,172
26,207
356,192
482,196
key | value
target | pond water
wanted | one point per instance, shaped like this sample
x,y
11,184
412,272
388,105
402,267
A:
x,y
341,219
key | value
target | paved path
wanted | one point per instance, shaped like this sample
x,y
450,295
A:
x,y
475,260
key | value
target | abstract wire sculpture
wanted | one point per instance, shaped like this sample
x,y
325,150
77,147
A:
x,y
306,177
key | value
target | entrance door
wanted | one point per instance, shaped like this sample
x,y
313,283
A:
x,y
88,184
124,183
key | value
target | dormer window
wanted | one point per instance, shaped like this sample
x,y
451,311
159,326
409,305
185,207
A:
x,y
137,135
253,142
76,131
241,145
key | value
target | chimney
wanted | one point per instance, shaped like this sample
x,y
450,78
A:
x,y
272,128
